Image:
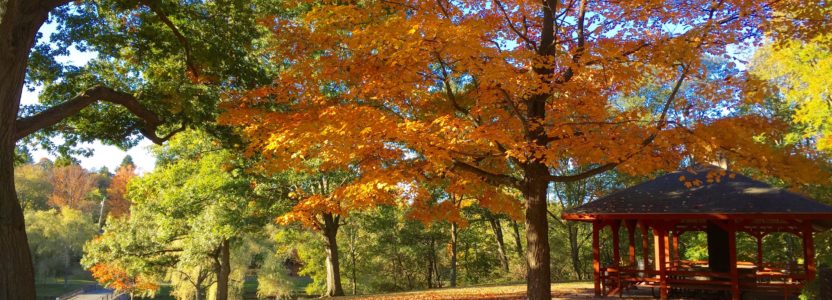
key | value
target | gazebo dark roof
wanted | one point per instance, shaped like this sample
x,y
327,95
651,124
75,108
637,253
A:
x,y
733,194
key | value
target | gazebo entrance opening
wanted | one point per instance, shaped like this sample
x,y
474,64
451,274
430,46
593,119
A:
x,y
662,210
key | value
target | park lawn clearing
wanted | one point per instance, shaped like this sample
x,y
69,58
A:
x,y
562,290
55,287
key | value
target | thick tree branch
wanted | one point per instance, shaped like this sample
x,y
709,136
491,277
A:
x,y
547,32
57,113
491,178
585,174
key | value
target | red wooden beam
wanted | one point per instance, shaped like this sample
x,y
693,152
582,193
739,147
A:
x,y
645,246
662,260
596,258
631,236
694,216
732,257
616,251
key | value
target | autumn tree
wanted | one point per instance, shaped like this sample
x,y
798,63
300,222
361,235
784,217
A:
x,y
117,203
72,187
796,73
157,68
500,92
33,186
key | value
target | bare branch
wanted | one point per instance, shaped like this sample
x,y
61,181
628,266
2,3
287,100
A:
x,y
583,175
529,43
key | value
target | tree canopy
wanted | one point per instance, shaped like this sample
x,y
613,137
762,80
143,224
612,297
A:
x,y
498,93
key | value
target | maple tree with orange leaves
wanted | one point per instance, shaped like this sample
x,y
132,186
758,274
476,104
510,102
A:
x,y
118,204
72,186
498,93
118,279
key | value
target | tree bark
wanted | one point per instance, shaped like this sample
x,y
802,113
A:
x,y
333,270
537,232
18,27
497,229
453,254
223,269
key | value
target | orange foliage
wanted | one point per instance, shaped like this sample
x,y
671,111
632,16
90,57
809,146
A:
x,y
71,188
486,94
116,278
117,204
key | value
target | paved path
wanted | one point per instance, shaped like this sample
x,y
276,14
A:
x,y
98,293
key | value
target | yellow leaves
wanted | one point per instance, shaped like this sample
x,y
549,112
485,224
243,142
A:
x,y
799,71
413,29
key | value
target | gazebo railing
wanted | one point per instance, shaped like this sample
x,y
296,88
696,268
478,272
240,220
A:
x,y
616,280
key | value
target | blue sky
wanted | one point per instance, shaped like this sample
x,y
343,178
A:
x,y
103,155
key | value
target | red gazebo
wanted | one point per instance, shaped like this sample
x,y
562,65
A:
x,y
709,199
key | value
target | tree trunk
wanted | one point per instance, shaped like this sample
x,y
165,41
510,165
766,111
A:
x,y
574,249
333,270
223,270
20,22
497,228
431,258
537,231
352,261
453,254
518,241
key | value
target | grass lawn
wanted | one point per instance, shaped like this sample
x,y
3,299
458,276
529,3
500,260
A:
x,y
563,290
55,287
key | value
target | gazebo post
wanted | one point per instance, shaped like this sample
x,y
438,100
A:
x,y
596,258
661,234
732,261
661,246
667,254
631,237
645,246
658,248
808,252
616,251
